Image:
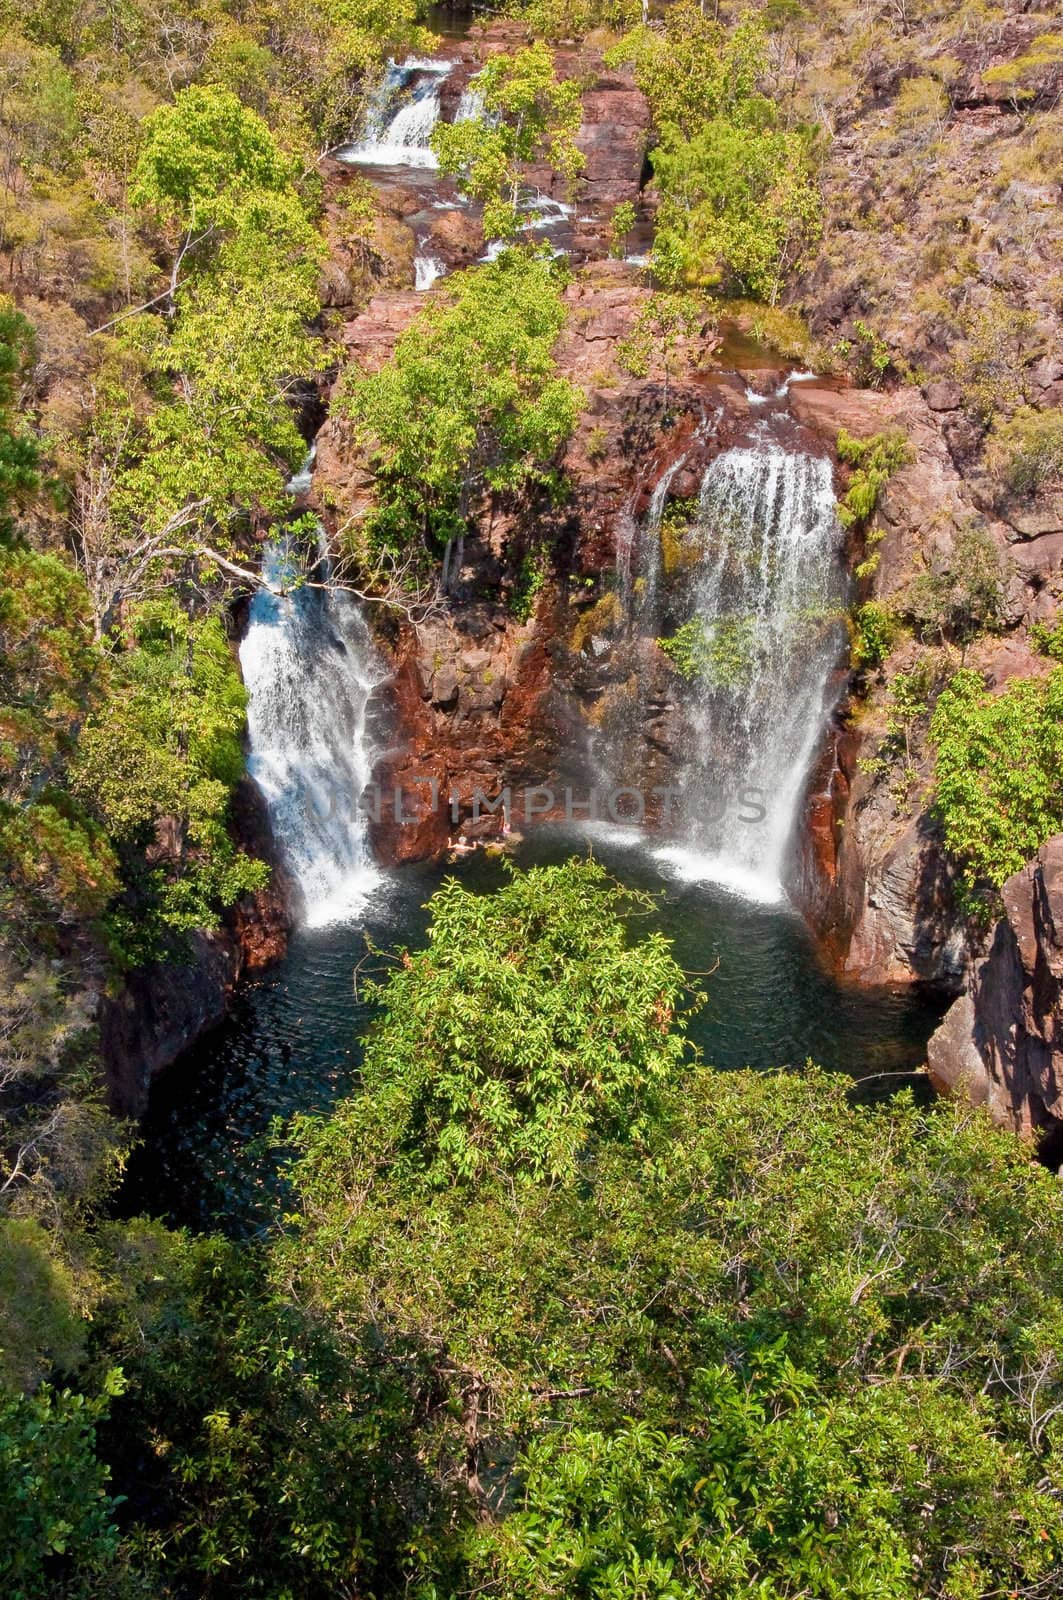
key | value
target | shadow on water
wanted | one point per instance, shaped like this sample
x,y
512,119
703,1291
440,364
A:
x,y
291,1042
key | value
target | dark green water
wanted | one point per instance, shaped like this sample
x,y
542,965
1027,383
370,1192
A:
x,y
291,1042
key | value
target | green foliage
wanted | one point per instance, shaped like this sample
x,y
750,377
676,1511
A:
x,y
57,865
724,654
272,1461
40,1328
158,765
205,155
531,580
738,204
54,1501
561,1312
622,222
961,594
998,775
867,356
1000,342
528,117
527,1027
907,707
663,326
720,1356
1026,451
778,1488
873,632
738,208
471,400
250,257
1049,641
559,20
692,69
19,457
873,461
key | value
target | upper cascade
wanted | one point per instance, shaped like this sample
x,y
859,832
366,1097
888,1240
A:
x,y
400,117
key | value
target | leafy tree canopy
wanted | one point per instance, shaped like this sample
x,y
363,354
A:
x,y
527,116
738,205
470,400
998,761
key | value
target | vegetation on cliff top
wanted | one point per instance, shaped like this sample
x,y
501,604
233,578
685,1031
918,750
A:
x,y
470,402
526,116
738,205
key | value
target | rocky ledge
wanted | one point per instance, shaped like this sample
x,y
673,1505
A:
x,y
1001,1043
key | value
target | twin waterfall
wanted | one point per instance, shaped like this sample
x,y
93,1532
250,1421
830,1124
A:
x,y
767,630
753,588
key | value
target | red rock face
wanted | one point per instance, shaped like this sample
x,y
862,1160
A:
x,y
1001,1044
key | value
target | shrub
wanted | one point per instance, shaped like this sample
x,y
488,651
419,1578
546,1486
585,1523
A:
x,y
873,462
1026,451
961,595
621,225
527,1027
998,775
873,629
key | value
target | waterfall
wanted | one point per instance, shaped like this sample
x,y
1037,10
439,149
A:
x,y
765,635
426,269
400,117
309,667
470,105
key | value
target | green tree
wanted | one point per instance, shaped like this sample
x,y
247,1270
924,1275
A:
x,y
19,457
55,1509
157,765
527,1026
58,866
998,789
527,116
471,401
738,206
713,1349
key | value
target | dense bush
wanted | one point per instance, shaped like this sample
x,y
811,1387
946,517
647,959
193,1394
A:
x,y
471,401
738,205
561,1311
998,774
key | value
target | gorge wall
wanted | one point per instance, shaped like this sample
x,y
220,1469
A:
x,y
482,698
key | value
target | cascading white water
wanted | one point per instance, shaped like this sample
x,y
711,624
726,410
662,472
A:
x,y
768,594
426,269
470,105
309,667
400,117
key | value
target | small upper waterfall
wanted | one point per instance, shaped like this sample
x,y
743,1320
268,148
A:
x,y
426,269
309,667
764,637
401,115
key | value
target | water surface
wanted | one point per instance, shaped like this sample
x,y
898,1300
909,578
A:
x,y
292,1040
